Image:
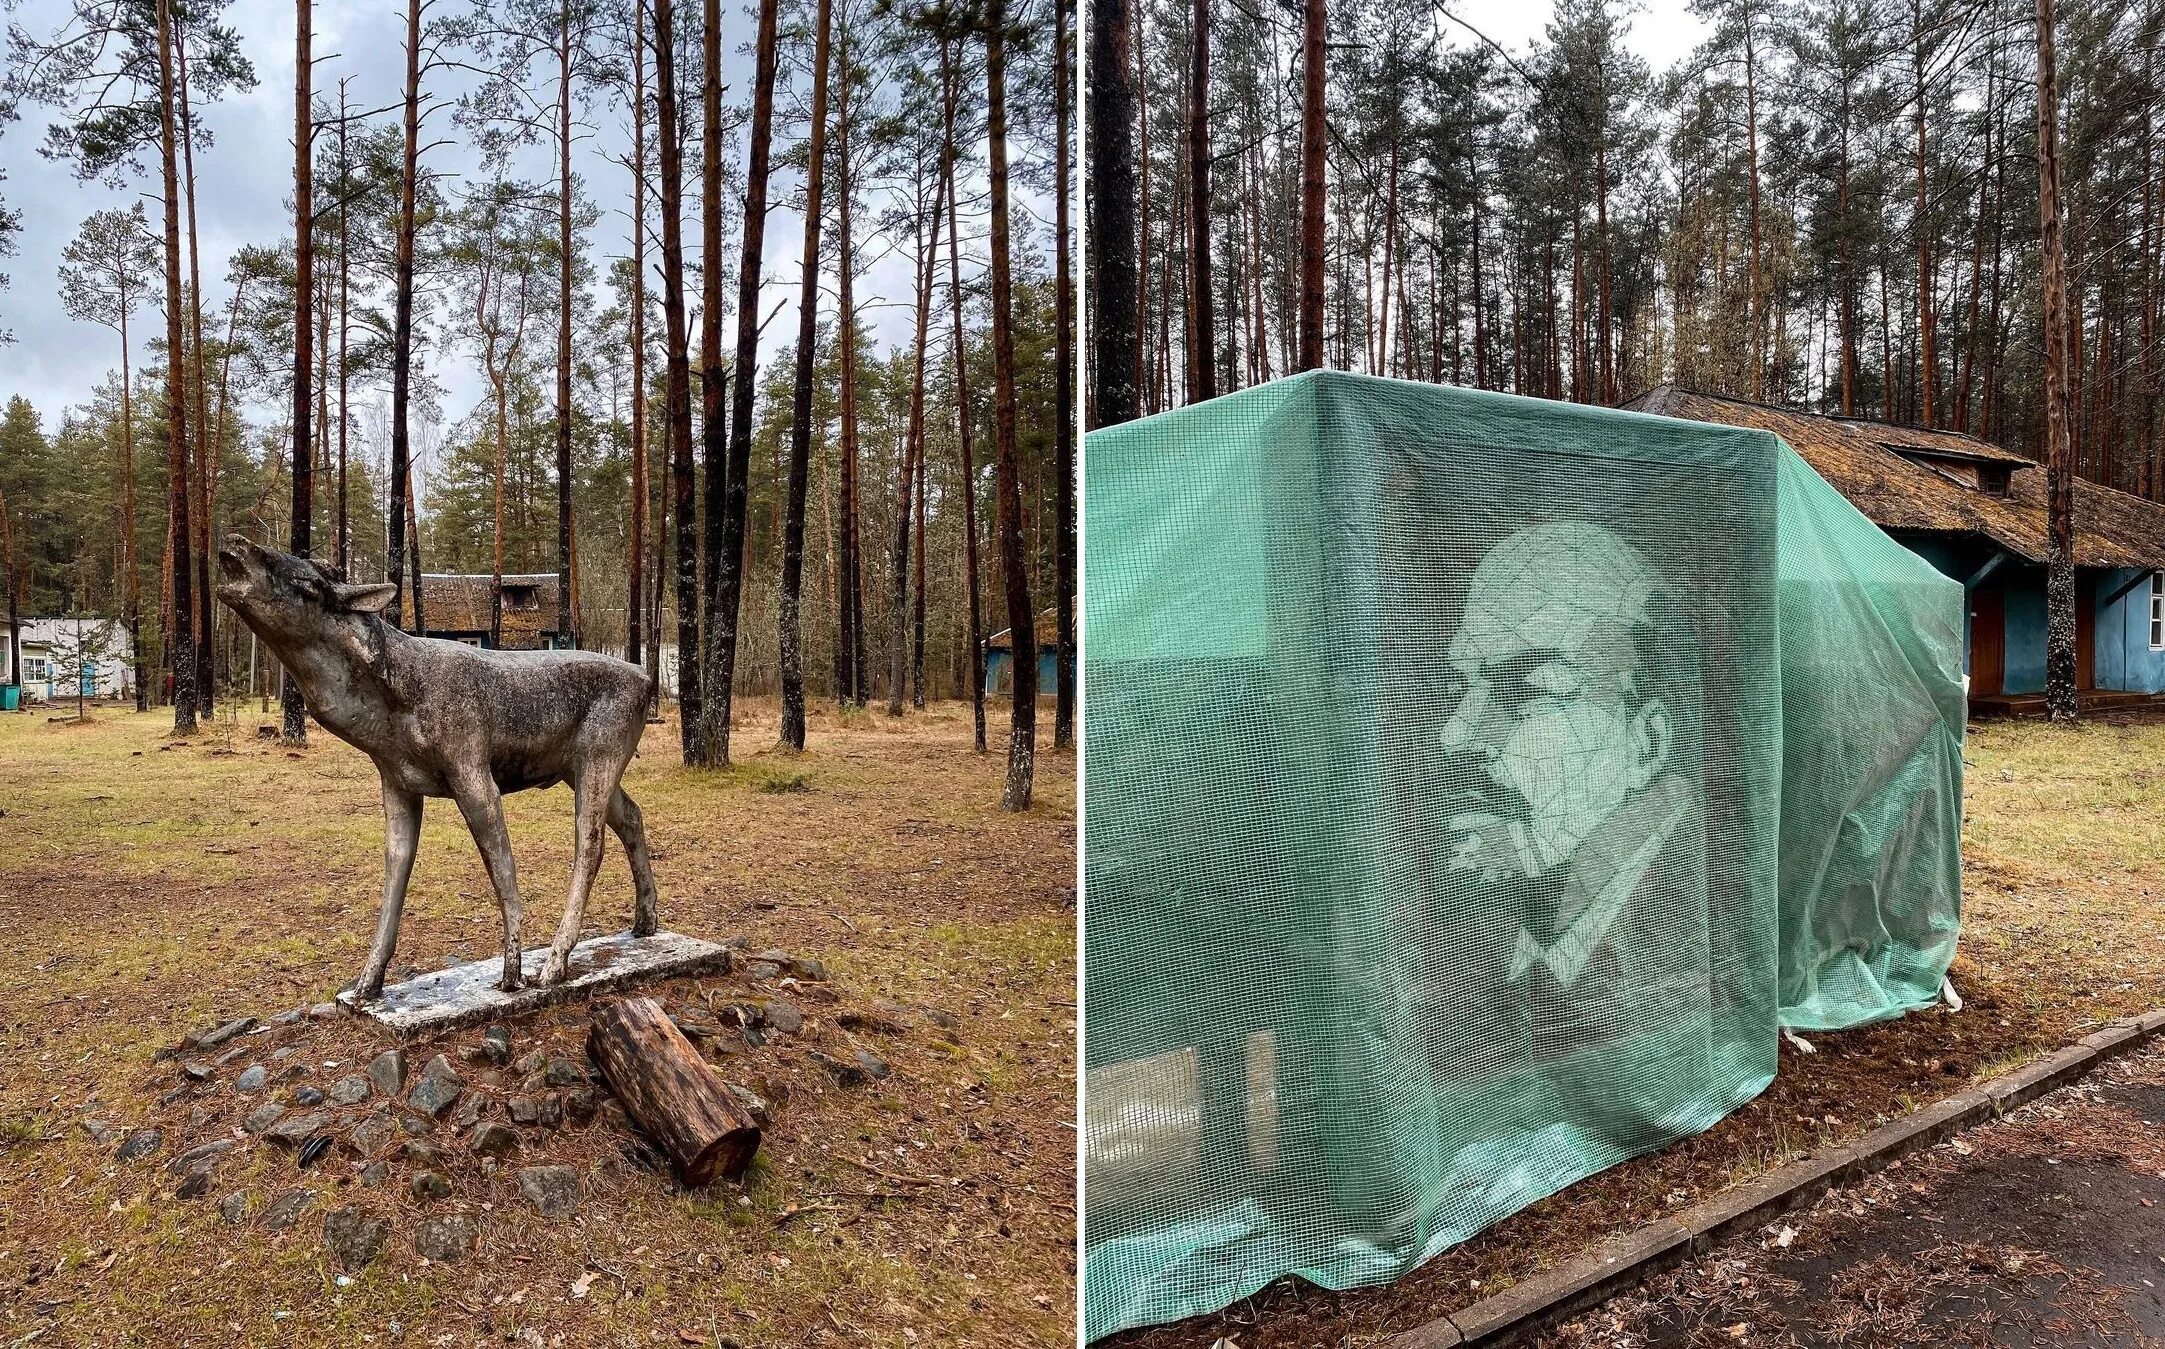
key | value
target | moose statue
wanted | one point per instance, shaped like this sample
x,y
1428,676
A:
x,y
442,718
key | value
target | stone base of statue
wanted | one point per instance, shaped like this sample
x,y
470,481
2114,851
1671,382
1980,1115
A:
x,y
460,995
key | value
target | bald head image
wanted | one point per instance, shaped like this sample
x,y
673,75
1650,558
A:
x,y
1559,749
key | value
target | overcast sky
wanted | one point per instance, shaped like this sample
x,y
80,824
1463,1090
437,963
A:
x,y
244,181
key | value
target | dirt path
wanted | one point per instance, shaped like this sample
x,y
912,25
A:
x,y
2045,1228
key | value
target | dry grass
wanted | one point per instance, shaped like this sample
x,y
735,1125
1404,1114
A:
x,y
2063,866
147,888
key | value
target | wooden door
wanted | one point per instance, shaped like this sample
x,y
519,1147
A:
x,y
1988,640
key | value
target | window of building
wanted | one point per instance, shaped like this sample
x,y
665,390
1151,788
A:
x,y
35,667
2157,611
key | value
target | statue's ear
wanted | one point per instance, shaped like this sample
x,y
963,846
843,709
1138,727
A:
x,y
367,599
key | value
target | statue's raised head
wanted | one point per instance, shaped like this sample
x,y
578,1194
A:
x,y
286,598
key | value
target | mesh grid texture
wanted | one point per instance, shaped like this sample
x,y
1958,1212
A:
x,y
1475,786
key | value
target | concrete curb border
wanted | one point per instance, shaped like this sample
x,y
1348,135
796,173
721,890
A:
x,y
1621,1262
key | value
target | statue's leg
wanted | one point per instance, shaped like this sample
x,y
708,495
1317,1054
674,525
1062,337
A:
x,y
401,834
483,807
630,827
591,809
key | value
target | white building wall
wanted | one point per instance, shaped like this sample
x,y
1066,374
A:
x,y
45,639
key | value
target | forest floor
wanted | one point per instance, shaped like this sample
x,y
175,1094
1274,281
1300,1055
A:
x,y
150,889
2043,1228
2063,930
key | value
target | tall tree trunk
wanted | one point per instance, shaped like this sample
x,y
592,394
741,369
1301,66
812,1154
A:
x,y
206,451
1146,366
402,264
13,575
1203,351
1847,267
713,417
918,624
1116,355
1315,23
800,428
1022,634
566,600
127,515
499,379
950,82
2060,627
678,385
345,172
294,725
1755,295
1063,421
635,552
913,449
751,259
1603,251
1928,356
850,675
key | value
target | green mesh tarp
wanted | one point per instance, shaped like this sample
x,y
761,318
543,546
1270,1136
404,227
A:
x,y
1475,786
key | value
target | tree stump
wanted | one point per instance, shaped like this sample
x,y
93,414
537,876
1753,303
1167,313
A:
x,y
670,1091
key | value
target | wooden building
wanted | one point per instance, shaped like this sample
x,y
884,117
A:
x,y
1976,512
1000,656
457,608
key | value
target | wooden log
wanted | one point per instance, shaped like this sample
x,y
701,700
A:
x,y
670,1091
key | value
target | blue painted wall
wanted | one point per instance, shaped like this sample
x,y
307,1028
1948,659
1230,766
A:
x,y
2025,632
1048,670
2124,657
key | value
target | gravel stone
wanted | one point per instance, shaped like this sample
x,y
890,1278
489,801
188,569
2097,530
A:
x,y
351,1089
546,1111
255,1079
294,1130
783,1015
375,1173
446,1238
267,1114
430,1185
496,1044
552,1190
566,1073
286,1210
388,1071
371,1135
353,1238
218,1035
203,1156
139,1144
308,1096
493,1140
440,1086
234,1208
